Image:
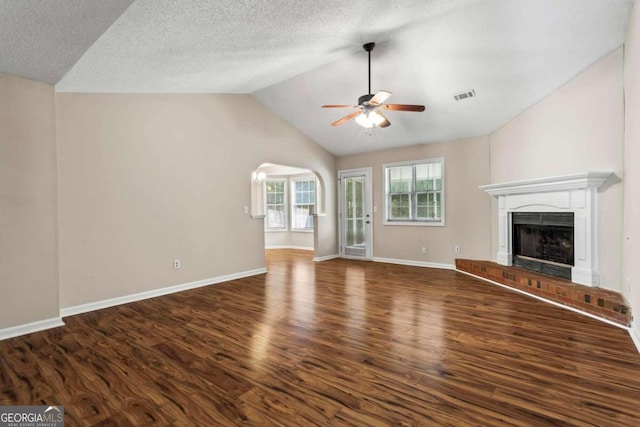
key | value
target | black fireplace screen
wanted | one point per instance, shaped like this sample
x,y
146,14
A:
x,y
547,237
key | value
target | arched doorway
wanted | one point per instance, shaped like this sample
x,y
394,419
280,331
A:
x,y
289,199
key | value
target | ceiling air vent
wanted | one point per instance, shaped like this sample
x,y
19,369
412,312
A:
x,y
464,95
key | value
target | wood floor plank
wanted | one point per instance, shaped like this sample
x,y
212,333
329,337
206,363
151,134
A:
x,y
337,343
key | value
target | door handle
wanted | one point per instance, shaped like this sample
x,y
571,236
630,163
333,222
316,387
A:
x,y
368,222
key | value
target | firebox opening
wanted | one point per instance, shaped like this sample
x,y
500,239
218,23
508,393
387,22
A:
x,y
543,242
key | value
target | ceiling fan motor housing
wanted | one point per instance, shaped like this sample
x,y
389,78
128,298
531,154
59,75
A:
x,y
365,98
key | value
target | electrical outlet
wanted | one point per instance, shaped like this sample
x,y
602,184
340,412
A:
x,y
423,249
246,209
176,264
457,249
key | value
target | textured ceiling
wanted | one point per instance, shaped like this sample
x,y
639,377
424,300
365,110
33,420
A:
x,y
294,56
231,46
43,39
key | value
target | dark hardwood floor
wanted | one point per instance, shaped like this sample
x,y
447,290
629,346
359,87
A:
x,y
337,343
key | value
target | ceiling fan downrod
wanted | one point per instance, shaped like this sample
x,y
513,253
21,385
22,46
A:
x,y
368,47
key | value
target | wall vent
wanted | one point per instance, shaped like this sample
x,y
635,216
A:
x,y
464,95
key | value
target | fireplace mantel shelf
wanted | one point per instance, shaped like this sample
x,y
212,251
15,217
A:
x,y
576,181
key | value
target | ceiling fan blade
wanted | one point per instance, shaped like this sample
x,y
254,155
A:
x,y
339,106
385,123
402,107
380,97
346,118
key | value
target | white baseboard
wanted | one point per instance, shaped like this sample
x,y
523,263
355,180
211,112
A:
x,y
557,304
635,335
326,257
84,308
303,248
415,263
28,328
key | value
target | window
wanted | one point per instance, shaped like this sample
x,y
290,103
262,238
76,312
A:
x,y
415,192
276,209
304,196
299,193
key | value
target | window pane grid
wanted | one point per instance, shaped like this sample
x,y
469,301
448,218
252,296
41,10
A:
x,y
428,206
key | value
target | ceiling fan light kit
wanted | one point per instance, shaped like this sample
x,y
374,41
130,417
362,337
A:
x,y
370,119
368,113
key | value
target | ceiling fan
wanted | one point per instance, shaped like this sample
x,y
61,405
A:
x,y
368,113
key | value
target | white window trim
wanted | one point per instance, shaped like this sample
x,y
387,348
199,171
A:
x,y
286,205
418,223
292,205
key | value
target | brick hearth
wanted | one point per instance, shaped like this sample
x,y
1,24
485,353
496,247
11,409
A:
x,y
599,302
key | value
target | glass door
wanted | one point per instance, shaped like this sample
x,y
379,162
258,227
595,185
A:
x,y
355,213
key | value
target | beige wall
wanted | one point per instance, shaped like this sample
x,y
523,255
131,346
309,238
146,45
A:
x,y
578,128
288,239
147,179
28,239
632,162
467,207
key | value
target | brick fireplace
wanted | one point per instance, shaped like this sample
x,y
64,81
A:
x,y
598,302
575,195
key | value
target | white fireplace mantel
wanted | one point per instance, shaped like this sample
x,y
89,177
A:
x,y
576,193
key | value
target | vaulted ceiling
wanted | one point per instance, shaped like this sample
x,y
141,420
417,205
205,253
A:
x,y
294,56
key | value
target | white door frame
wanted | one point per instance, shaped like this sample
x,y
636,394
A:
x,y
368,202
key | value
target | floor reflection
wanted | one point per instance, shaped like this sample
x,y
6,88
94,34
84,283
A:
x,y
303,293
356,297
